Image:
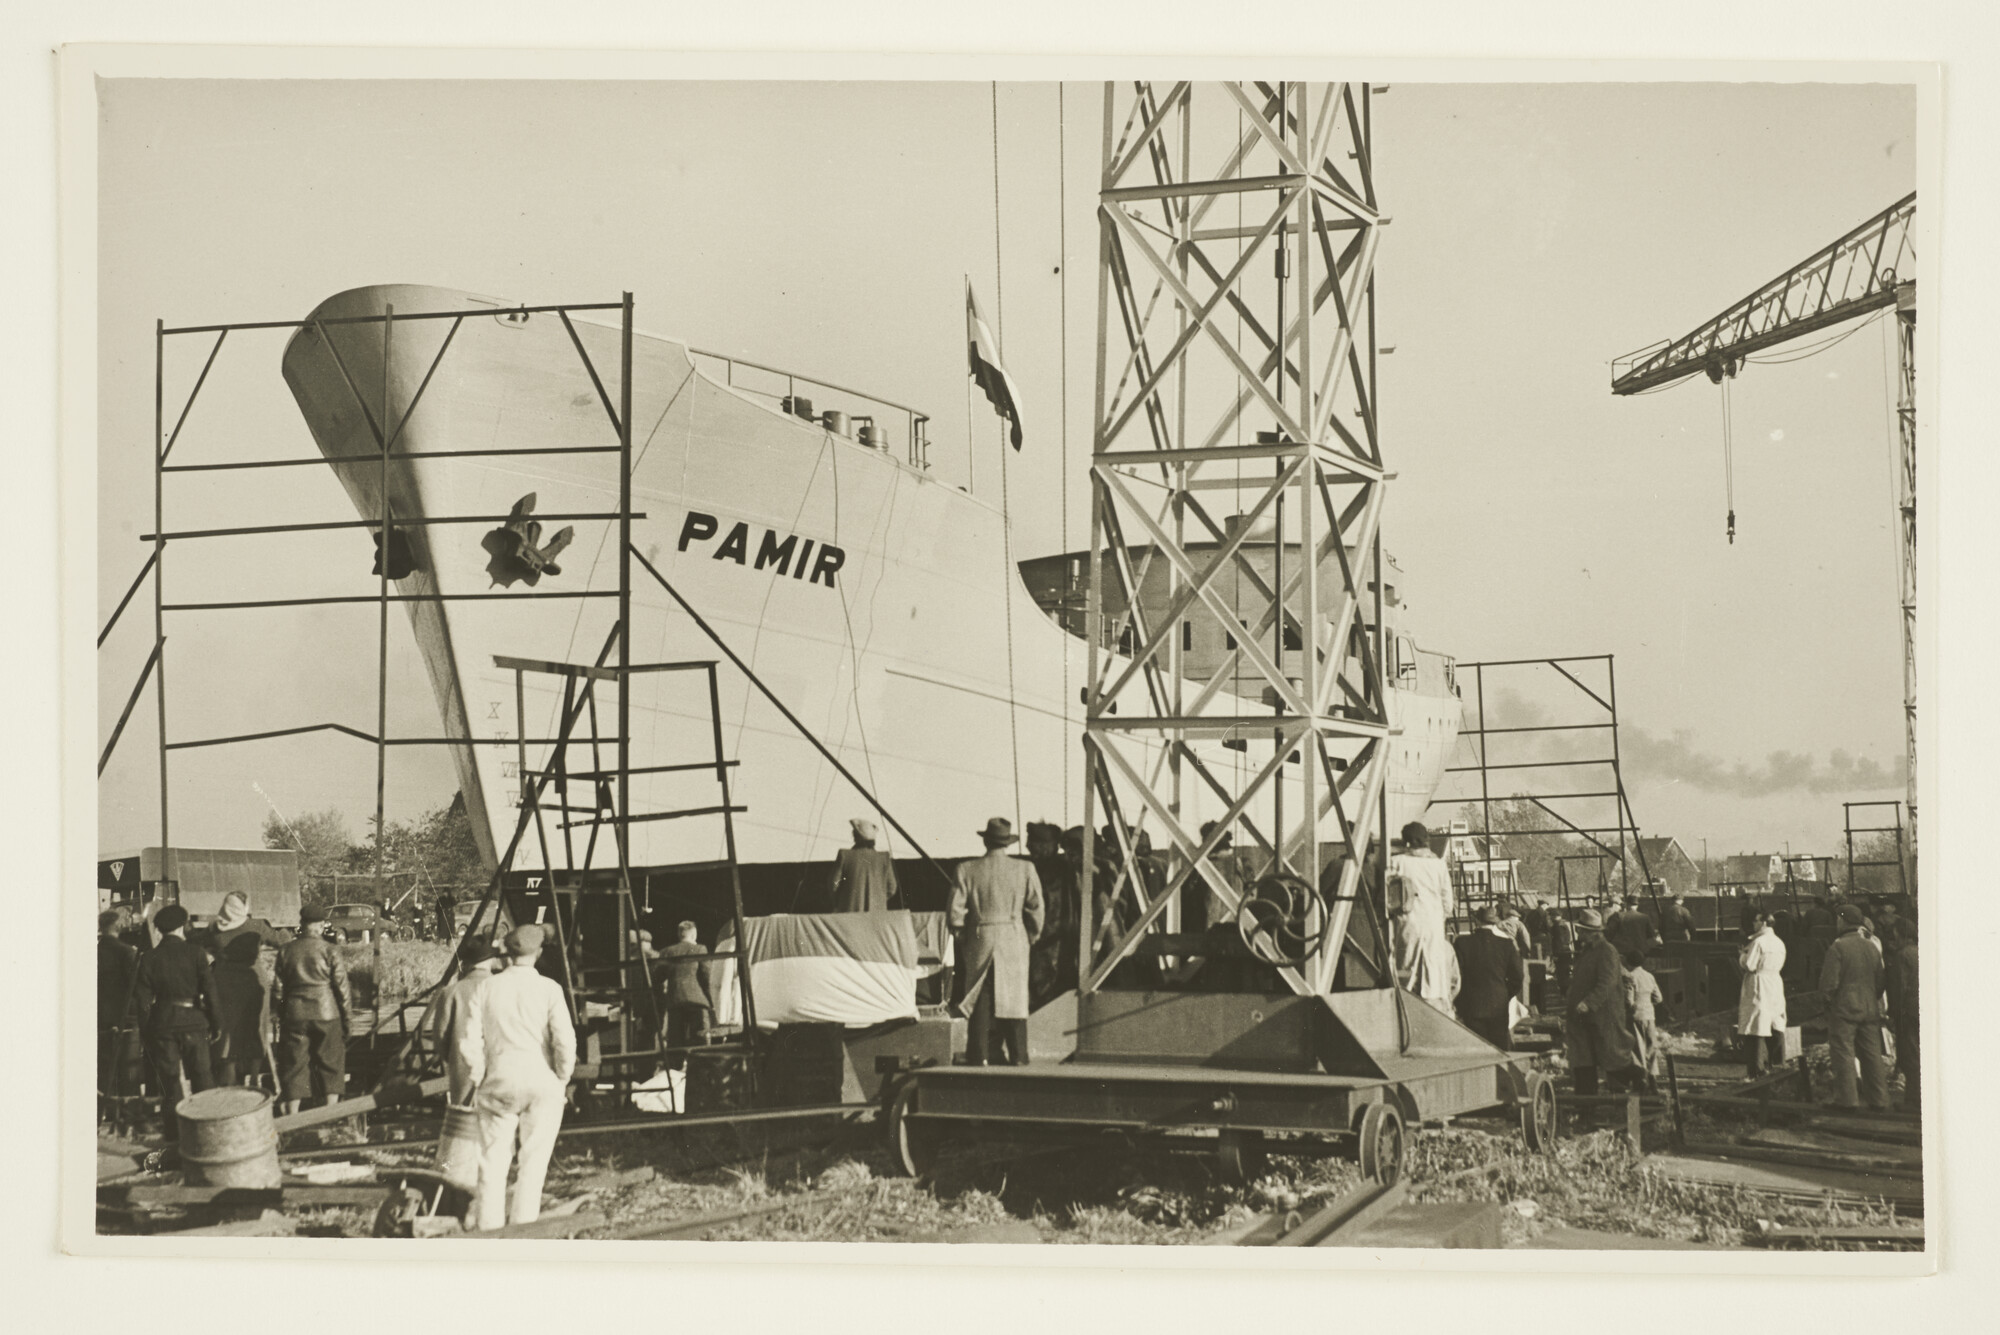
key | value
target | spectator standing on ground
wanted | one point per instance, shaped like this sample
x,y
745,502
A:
x,y
175,993
1594,1026
1760,1002
1419,892
1904,1010
519,1049
1491,977
244,1002
1851,978
451,1013
1631,929
1642,994
311,998
117,970
996,908
1524,940
1562,947
1677,922
690,1010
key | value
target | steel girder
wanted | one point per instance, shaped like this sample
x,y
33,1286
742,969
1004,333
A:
x,y
1856,274
1238,229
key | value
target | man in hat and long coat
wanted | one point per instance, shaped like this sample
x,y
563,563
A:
x,y
520,1051
1595,1026
864,877
996,909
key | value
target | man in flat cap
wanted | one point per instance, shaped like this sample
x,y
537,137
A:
x,y
996,908
175,995
519,1050
1851,979
451,1012
864,877
1595,1028
310,995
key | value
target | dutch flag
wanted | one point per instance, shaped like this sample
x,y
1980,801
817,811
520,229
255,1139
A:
x,y
983,356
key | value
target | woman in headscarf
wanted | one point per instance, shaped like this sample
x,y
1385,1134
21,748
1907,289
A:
x,y
244,999
1760,1007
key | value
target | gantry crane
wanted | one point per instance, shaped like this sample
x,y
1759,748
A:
x,y
1871,268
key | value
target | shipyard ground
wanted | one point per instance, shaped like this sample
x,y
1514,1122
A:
x,y
1786,1175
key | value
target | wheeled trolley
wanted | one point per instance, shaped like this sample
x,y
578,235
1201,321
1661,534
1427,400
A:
x,y
1344,1073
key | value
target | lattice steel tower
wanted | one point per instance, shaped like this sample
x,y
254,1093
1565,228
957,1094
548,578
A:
x,y
1237,490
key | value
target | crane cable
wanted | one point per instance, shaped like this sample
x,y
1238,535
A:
x,y
1728,459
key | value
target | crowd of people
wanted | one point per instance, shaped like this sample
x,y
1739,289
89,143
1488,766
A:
x,y
1860,959
223,1005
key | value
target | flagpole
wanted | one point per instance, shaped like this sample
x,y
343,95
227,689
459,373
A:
x,y
971,449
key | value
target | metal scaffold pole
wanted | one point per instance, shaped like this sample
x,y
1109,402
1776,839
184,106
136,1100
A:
x,y
160,566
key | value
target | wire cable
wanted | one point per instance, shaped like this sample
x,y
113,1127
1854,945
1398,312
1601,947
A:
x,y
1728,458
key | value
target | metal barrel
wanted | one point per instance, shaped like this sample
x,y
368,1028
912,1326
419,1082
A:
x,y
227,1138
458,1148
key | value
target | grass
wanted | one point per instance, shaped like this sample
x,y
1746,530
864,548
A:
x,y
409,968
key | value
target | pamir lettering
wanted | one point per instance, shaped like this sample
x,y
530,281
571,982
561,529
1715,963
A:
x,y
791,555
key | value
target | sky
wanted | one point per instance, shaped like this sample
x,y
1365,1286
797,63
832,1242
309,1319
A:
x,y
1539,231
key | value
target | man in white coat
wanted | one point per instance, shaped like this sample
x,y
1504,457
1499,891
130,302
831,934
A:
x,y
1419,891
1760,1005
519,1049
452,1010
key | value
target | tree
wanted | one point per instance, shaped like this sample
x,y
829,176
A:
x,y
320,838
1880,848
435,849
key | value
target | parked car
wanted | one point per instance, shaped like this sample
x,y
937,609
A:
x,y
362,922
461,915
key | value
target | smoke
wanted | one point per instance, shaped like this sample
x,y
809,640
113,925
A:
x,y
1675,758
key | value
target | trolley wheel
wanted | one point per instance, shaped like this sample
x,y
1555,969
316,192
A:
x,y
1240,1154
914,1141
1538,1114
1384,1147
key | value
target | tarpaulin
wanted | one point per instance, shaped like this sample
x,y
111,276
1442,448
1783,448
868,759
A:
x,y
837,968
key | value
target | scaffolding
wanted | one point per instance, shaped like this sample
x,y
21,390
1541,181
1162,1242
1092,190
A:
x,y
1903,841
619,987
1539,753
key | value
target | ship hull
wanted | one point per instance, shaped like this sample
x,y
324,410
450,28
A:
x,y
878,604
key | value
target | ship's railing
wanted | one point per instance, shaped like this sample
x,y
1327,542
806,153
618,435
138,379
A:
x,y
855,411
